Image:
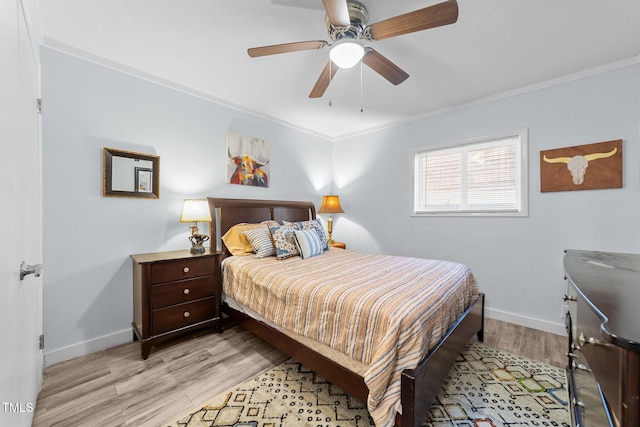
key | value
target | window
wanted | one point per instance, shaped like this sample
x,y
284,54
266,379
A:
x,y
484,176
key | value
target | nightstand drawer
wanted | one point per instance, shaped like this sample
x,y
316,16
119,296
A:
x,y
181,269
181,315
182,291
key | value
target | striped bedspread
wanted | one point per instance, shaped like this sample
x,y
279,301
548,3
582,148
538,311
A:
x,y
384,311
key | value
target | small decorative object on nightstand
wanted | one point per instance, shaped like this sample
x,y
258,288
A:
x,y
194,210
173,293
330,205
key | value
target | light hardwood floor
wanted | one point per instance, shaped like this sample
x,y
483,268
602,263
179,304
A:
x,y
114,387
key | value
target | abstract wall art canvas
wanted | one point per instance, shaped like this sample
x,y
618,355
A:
x,y
248,160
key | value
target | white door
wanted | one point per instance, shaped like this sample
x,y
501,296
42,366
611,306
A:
x,y
20,219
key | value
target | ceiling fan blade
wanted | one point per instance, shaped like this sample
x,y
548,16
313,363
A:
x,y
338,12
384,67
418,20
323,81
286,47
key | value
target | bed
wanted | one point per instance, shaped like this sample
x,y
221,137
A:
x,y
417,385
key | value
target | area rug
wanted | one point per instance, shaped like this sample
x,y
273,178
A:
x,y
485,388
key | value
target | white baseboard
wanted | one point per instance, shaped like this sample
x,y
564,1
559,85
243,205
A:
x,y
80,349
542,325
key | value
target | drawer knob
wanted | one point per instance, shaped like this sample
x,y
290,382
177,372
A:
x,y
187,314
186,269
580,366
569,298
577,403
584,340
186,291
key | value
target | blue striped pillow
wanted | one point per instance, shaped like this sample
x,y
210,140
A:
x,y
261,242
315,224
308,243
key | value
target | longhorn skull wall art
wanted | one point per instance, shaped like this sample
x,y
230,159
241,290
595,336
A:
x,y
582,167
248,160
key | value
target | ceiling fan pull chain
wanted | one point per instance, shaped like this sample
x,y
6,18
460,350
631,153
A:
x,y
361,102
330,104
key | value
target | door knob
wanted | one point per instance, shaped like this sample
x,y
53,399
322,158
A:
x,y
26,269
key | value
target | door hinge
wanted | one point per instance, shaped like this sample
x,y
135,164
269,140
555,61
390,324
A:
x,y
41,342
39,105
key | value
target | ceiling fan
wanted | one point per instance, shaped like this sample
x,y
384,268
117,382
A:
x,y
348,28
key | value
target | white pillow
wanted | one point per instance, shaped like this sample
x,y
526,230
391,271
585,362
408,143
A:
x,y
308,243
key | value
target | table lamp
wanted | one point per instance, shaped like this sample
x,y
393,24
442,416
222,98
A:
x,y
194,210
330,205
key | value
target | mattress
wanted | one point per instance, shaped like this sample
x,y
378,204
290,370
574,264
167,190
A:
x,y
381,313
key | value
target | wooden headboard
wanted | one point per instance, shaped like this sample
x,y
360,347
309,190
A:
x,y
225,213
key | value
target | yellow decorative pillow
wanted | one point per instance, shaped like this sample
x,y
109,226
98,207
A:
x,y
235,240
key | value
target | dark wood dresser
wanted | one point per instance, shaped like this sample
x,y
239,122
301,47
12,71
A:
x,y
173,293
603,323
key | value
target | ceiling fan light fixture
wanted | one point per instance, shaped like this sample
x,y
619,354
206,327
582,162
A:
x,y
346,53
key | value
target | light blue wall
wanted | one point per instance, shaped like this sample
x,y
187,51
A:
x,y
88,237
517,261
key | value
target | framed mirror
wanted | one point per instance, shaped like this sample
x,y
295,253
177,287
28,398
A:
x,y
130,174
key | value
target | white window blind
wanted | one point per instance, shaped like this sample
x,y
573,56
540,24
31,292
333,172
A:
x,y
485,176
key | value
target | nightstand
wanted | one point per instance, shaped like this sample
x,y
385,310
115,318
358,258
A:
x,y
340,245
174,293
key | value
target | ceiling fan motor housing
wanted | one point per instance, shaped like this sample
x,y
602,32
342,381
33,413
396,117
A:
x,y
359,18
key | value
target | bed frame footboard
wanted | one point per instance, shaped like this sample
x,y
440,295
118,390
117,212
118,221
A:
x,y
420,386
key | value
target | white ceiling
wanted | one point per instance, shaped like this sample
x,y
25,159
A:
x,y
496,47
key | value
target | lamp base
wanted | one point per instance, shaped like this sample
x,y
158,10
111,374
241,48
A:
x,y
196,243
330,228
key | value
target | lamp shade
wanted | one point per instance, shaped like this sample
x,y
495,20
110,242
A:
x,y
194,210
330,205
346,53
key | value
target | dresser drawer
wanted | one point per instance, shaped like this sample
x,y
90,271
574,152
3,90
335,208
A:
x,y
603,357
587,406
163,272
179,316
585,400
182,291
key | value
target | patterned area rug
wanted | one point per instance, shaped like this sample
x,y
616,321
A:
x,y
485,388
